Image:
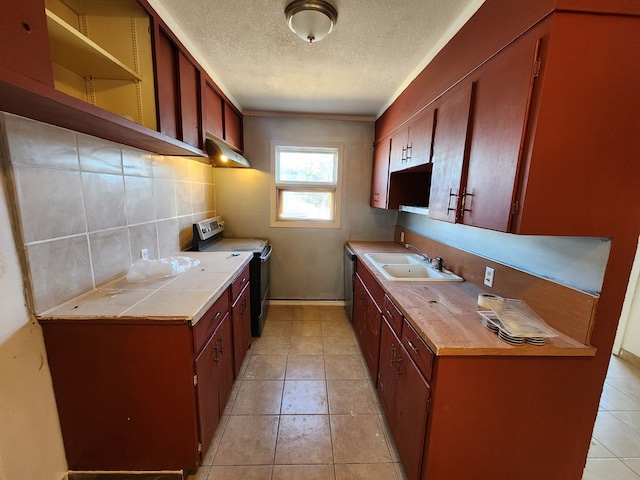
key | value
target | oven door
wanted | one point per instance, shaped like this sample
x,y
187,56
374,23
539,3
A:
x,y
262,301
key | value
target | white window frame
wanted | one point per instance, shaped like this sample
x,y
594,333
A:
x,y
278,187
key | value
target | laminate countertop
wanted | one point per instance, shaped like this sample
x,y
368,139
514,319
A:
x,y
445,314
184,298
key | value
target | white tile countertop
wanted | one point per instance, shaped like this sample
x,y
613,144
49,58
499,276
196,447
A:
x,y
183,297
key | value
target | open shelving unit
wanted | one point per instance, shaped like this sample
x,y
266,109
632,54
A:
x,y
79,54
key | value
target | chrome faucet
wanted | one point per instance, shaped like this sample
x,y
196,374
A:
x,y
408,246
434,262
437,263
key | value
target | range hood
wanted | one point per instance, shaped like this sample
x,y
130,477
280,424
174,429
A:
x,y
221,154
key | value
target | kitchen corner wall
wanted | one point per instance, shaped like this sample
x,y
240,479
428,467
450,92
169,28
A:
x,y
87,206
30,438
307,263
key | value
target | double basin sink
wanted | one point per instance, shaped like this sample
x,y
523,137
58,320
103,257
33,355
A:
x,y
409,267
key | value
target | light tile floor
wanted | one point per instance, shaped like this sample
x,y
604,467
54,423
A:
x,y
615,447
304,407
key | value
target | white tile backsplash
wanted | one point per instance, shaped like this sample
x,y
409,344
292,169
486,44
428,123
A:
x,y
88,206
139,203
104,200
141,237
99,155
183,198
164,193
60,270
110,254
51,202
168,237
137,162
35,143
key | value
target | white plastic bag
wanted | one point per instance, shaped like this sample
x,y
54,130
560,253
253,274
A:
x,y
145,269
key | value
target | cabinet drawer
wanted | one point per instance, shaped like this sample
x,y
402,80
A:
x,y
393,315
420,353
210,320
239,283
371,283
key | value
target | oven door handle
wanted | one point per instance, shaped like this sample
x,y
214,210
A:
x,y
266,254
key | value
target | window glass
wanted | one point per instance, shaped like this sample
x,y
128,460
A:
x,y
306,187
303,166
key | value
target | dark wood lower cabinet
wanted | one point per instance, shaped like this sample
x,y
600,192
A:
x,y
404,394
241,316
140,394
366,320
125,394
214,380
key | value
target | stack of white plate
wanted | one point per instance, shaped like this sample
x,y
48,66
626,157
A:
x,y
532,334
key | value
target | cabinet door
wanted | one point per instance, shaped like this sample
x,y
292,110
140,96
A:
x,y
224,337
367,317
371,344
232,127
449,148
359,308
241,315
189,101
399,153
411,409
214,112
421,139
501,103
24,42
380,178
206,367
387,370
167,85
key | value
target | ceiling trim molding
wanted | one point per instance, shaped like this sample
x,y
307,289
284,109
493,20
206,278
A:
x,y
315,116
448,35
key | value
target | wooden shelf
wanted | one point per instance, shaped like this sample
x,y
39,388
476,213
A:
x,y
74,51
29,98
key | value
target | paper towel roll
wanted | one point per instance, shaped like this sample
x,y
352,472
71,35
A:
x,y
488,300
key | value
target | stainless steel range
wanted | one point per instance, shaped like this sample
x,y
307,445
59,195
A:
x,y
208,237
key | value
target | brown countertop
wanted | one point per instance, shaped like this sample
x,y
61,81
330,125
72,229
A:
x,y
444,314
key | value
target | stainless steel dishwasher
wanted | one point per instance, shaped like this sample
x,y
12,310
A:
x,y
349,277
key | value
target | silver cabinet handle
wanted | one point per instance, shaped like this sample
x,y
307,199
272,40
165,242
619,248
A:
x,y
411,345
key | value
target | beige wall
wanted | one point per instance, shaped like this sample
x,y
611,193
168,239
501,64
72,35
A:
x,y
85,208
306,263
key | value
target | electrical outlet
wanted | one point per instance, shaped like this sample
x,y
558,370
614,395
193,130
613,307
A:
x,y
144,254
402,237
488,276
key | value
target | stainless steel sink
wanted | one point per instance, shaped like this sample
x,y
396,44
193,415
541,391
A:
x,y
409,267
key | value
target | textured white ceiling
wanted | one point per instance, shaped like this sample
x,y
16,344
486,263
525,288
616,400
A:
x,y
375,49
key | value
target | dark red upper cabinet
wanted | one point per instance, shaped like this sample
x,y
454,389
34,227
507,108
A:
x,y
501,103
24,42
214,111
232,127
449,149
167,85
190,118
380,180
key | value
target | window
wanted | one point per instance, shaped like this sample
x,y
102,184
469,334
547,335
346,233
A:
x,y
306,187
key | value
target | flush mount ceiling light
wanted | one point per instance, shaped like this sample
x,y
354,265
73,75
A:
x,y
311,20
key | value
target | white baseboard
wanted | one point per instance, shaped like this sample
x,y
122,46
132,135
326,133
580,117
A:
x,y
318,303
